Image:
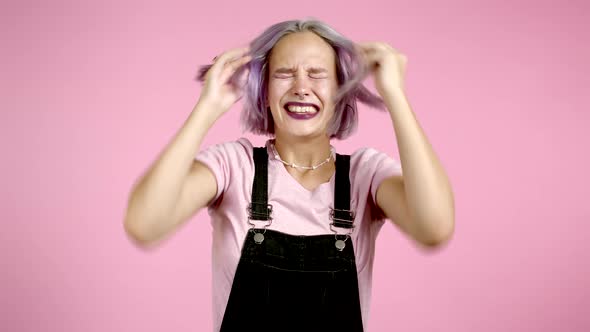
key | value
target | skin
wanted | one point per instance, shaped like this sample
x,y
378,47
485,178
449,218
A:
x,y
175,186
420,202
302,68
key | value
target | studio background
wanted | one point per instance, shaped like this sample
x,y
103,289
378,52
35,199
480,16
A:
x,y
91,92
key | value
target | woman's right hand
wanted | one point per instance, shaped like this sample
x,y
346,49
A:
x,y
218,92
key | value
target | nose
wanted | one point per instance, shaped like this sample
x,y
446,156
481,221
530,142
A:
x,y
301,87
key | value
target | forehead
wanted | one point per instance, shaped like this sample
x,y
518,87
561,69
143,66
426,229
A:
x,y
302,48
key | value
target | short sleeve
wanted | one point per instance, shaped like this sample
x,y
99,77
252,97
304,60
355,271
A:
x,y
385,167
369,167
225,161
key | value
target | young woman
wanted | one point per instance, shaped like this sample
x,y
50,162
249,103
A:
x,y
294,222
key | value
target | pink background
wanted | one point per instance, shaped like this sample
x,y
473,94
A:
x,y
92,92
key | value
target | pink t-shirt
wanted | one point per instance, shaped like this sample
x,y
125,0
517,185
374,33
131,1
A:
x,y
296,210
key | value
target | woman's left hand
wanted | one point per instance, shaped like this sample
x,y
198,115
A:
x,y
387,65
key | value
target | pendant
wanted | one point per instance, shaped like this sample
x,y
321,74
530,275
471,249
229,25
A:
x,y
258,238
340,245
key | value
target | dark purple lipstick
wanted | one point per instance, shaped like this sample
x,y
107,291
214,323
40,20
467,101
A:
x,y
301,116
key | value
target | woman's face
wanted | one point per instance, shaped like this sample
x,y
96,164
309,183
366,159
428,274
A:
x,y
302,83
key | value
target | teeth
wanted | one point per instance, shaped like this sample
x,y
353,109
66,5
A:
x,y
299,109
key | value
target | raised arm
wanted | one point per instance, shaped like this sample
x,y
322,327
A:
x,y
175,186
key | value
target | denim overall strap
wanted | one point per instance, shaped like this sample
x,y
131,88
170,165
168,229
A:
x,y
259,208
341,215
294,283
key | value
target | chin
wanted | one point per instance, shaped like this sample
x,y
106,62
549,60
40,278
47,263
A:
x,y
301,128
303,133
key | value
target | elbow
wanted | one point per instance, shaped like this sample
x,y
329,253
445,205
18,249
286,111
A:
x,y
437,236
139,234
434,242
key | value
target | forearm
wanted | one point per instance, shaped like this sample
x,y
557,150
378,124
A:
x,y
428,190
156,193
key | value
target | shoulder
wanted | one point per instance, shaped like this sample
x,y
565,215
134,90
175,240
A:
x,y
241,145
228,159
239,150
369,167
230,162
368,159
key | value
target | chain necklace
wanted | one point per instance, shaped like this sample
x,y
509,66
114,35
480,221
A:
x,y
293,165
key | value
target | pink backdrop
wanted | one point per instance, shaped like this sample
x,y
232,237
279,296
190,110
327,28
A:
x,y
92,92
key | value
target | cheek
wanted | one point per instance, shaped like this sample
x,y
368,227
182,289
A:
x,y
327,91
276,90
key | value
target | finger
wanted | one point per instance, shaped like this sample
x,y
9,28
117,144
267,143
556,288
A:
x,y
232,61
366,54
243,79
367,46
371,60
215,58
232,54
360,49
377,46
221,60
232,67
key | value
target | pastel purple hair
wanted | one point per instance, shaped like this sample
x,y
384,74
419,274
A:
x,y
350,72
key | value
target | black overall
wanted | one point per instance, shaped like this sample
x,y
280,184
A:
x,y
298,283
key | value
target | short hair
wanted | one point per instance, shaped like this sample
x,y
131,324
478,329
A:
x,y
257,118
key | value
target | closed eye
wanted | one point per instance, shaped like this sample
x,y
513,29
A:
x,y
283,75
318,76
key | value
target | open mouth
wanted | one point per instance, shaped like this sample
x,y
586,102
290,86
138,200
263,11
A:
x,y
300,110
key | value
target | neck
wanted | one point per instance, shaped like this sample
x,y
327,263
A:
x,y
306,152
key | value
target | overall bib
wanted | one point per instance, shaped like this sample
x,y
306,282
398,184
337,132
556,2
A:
x,y
287,282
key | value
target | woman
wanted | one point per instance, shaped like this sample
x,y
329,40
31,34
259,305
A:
x,y
294,222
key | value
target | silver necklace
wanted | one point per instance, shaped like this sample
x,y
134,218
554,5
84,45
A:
x,y
293,165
